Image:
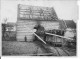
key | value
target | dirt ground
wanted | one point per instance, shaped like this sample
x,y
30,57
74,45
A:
x,y
15,48
20,48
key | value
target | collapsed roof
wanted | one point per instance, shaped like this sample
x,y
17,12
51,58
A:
x,y
36,12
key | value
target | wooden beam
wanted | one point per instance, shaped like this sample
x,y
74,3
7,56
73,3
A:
x,y
39,38
58,36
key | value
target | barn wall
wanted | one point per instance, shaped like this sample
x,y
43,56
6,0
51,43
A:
x,y
25,28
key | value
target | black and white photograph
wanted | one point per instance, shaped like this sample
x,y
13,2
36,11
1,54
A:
x,y
39,27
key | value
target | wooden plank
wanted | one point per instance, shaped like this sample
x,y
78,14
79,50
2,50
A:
x,y
27,33
58,36
39,38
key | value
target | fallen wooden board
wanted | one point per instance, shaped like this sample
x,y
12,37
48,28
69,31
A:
x,y
39,38
59,36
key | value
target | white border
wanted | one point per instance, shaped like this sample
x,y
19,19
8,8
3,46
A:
x,y
37,57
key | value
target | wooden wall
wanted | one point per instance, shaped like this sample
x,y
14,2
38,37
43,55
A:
x,y
25,28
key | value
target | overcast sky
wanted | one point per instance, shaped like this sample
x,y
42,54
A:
x,y
66,10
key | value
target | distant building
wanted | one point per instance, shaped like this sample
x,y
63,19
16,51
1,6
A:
x,y
65,24
11,26
70,28
70,24
9,31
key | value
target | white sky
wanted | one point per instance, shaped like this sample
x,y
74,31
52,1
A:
x,y
66,10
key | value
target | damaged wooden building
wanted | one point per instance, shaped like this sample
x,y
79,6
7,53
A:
x,y
29,16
